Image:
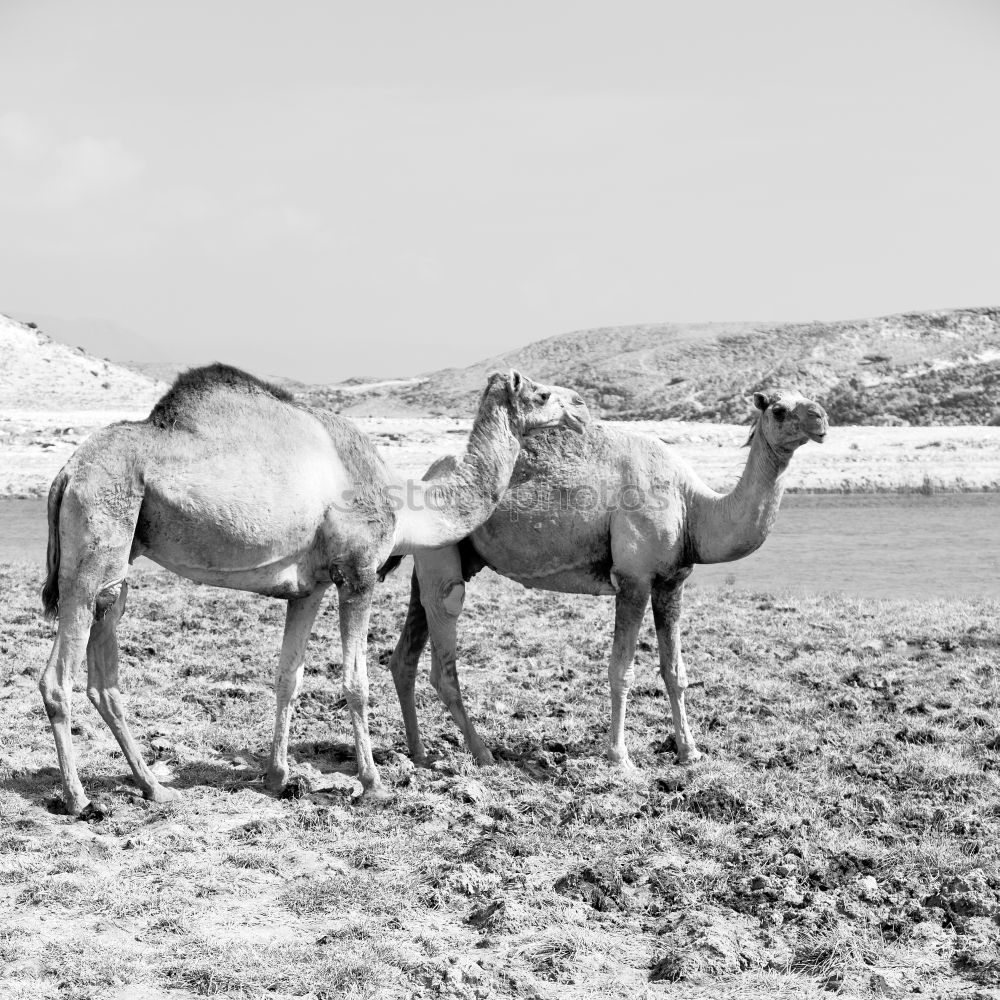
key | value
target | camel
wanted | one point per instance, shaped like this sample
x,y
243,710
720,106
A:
x,y
608,513
229,482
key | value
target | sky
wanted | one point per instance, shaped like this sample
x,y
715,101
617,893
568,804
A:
x,y
330,189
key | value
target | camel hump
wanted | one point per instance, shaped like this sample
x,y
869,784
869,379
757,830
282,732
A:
x,y
193,386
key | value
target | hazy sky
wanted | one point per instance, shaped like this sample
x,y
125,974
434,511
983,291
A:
x,y
329,189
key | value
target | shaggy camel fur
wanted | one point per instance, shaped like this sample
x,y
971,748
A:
x,y
609,512
230,483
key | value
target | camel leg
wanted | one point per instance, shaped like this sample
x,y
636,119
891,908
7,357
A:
x,y
299,618
56,686
355,610
444,672
442,593
104,693
630,607
404,664
93,536
667,599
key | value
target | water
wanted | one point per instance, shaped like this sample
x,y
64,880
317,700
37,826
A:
x,y
907,546
904,546
23,531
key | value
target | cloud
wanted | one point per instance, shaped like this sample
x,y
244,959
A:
x,y
40,171
282,219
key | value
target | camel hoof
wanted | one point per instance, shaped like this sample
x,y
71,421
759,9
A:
x,y
275,783
93,812
161,795
621,759
691,757
426,761
377,795
483,758
60,806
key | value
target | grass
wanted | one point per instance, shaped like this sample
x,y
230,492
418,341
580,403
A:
x,y
840,835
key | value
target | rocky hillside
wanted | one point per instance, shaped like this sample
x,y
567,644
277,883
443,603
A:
x,y
919,369
914,368
38,373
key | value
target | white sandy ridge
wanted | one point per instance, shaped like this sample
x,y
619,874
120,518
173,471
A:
x,y
52,397
38,373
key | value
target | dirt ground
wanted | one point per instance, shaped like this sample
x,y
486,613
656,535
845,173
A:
x,y
34,444
840,837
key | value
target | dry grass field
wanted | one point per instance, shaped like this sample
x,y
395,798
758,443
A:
x,y
840,836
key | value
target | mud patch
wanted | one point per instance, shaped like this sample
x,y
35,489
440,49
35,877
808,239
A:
x,y
600,886
713,943
716,802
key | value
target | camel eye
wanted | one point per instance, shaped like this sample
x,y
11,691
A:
x,y
544,396
779,412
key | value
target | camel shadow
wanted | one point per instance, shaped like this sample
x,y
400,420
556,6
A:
x,y
329,752
543,761
41,787
446,755
224,777
337,753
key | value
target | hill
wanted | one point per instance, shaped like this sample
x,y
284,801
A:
x,y
932,368
53,396
38,373
919,369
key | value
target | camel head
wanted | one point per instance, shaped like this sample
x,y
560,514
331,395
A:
x,y
533,406
786,419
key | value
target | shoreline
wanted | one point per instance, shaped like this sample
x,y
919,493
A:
x,y
858,490
930,490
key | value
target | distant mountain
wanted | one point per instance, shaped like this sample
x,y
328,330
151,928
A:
x,y
914,368
39,373
118,345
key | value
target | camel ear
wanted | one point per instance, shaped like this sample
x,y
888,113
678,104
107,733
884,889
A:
x,y
761,400
514,381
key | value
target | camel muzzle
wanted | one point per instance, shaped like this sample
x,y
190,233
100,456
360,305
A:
x,y
816,423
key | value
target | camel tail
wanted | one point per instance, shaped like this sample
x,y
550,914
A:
x,y
388,566
50,592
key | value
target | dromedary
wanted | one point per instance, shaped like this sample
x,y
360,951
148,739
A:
x,y
608,512
229,482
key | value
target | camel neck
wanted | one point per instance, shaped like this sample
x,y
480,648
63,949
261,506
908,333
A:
x,y
445,509
734,524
